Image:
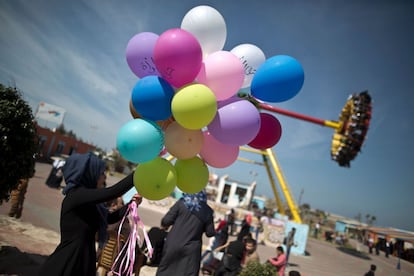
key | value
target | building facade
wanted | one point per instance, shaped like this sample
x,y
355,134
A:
x,y
52,143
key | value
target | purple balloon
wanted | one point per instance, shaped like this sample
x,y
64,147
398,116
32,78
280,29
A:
x,y
140,54
237,122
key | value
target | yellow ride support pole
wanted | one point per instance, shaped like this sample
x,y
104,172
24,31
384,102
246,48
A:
x,y
273,185
292,206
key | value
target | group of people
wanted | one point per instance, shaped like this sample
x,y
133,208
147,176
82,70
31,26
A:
x,y
177,242
386,244
83,215
238,253
235,255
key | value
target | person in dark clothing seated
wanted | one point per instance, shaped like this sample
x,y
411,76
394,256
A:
x,y
230,265
157,236
220,239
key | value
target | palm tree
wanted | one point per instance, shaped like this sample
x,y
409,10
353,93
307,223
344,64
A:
x,y
373,219
367,218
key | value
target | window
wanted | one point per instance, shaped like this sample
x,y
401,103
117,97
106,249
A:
x,y
226,193
241,192
59,148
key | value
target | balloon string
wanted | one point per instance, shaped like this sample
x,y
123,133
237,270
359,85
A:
x,y
126,264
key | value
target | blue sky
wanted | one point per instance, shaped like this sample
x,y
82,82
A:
x,y
72,54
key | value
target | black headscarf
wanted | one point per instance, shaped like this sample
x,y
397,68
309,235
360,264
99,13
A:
x,y
82,170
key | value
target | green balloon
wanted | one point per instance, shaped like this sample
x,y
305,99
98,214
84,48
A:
x,y
192,175
194,106
156,179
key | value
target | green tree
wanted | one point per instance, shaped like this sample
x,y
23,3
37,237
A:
x,y
18,140
61,129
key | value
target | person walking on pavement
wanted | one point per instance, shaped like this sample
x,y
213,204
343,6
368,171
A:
x,y
17,198
290,241
245,228
231,218
316,230
370,243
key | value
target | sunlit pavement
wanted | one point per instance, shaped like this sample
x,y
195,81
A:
x,y
37,231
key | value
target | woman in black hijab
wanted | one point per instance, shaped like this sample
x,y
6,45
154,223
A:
x,y
80,217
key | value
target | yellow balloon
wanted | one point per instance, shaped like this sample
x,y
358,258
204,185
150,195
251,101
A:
x,y
181,142
192,175
194,106
155,179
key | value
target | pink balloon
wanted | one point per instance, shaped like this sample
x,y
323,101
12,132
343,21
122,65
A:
x,y
223,72
178,56
269,133
237,122
217,154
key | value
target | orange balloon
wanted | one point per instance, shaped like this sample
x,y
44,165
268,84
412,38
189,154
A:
x,y
165,123
181,142
133,112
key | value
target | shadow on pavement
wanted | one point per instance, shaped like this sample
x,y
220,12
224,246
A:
x,y
353,252
15,262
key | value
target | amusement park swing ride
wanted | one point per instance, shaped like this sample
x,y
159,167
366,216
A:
x,y
349,134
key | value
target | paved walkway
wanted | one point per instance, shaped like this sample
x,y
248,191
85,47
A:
x,y
38,234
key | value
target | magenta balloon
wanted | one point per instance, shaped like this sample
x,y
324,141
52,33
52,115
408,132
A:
x,y
269,133
217,154
178,56
139,54
235,123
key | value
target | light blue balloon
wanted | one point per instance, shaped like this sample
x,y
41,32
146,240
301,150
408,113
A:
x,y
151,98
140,140
278,79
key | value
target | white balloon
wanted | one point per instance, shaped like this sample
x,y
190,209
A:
x,y
208,26
251,57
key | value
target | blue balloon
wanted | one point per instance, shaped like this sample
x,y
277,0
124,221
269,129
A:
x,y
151,98
278,79
140,140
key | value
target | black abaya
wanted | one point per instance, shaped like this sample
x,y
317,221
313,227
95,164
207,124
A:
x,y
182,248
79,222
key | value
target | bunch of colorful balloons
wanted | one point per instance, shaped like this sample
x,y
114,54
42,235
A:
x,y
185,102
